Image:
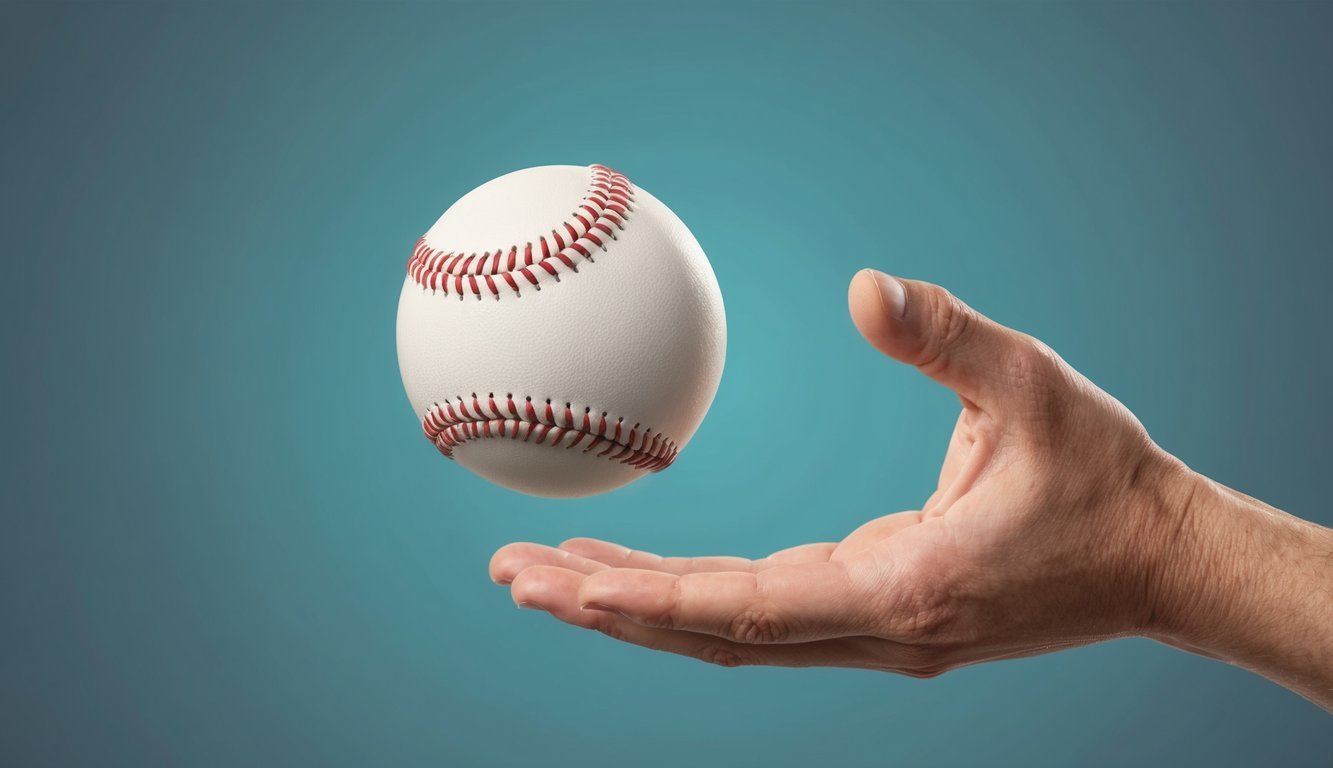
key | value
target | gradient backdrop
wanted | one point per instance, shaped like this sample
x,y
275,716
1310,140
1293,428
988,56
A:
x,y
225,542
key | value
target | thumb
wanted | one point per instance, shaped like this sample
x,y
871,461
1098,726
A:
x,y
926,326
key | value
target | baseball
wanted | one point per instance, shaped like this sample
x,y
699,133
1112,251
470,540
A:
x,y
560,332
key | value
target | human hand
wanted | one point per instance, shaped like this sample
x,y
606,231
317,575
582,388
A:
x,y
1056,522
1043,533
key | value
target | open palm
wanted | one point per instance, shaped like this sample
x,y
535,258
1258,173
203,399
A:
x,y
1051,504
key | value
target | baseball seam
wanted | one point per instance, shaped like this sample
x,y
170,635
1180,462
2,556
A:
x,y
453,423
601,212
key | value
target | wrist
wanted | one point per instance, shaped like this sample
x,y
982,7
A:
x,y
1175,500
1243,582
1192,571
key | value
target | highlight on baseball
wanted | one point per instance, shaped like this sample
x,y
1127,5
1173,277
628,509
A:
x,y
560,332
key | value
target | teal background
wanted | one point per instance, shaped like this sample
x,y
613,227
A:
x,y
225,543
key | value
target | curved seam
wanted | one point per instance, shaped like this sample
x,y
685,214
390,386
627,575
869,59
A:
x,y
504,271
455,422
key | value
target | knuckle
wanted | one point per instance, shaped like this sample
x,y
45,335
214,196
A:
x,y
1033,361
951,322
1036,373
758,626
721,656
669,616
925,672
953,316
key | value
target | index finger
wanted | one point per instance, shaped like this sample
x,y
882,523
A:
x,y
619,556
784,604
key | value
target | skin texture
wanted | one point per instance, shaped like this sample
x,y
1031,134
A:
x,y
1056,522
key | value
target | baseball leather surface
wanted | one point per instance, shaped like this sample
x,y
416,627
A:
x,y
560,332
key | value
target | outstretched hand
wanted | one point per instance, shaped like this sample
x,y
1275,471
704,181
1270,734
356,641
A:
x,y
1050,527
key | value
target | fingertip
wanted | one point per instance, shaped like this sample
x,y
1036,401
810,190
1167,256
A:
x,y
582,545
926,326
877,303
861,289
887,293
554,590
541,584
502,567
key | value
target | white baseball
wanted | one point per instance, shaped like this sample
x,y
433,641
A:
x,y
560,332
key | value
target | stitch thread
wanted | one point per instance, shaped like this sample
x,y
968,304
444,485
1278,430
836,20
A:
x,y
608,204
450,424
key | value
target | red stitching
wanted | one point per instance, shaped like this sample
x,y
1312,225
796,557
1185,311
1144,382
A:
x,y
453,423
608,204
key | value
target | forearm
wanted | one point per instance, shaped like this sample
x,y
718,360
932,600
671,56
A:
x,y
1251,585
